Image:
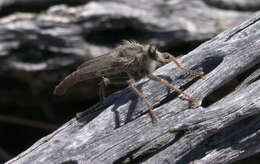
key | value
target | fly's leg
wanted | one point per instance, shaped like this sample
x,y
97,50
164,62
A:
x,y
101,91
154,118
174,59
188,97
102,85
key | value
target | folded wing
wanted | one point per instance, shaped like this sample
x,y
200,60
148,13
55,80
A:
x,y
97,67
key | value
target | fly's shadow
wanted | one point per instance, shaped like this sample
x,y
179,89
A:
x,y
127,95
117,99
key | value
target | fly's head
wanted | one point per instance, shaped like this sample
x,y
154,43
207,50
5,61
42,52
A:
x,y
160,57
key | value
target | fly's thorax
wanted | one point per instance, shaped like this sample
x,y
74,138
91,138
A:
x,y
130,53
137,69
137,74
151,65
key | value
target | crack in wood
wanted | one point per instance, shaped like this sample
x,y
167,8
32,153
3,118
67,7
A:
x,y
238,31
224,138
230,86
147,150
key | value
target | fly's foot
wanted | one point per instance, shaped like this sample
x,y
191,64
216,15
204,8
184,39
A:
x,y
153,116
194,101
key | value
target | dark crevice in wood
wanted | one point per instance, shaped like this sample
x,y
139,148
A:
x,y
127,158
232,6
34,6
70,162
29,53
146,151
255,76
179,47
229,87
113,37
210,63
225,138
250,160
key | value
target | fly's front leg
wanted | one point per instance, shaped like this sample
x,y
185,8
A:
x,y
154,118
188,97
174,59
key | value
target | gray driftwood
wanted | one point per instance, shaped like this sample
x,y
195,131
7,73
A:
x,y
223,128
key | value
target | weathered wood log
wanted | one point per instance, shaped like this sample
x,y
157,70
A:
x,y
40,47
223,128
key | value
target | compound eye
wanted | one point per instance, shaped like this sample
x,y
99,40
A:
x,y
152,51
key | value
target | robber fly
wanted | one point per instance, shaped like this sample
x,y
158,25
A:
x,y
135,60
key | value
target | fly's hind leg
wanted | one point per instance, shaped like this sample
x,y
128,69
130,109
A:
x,y
102,85
154,118
101,92
167,84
